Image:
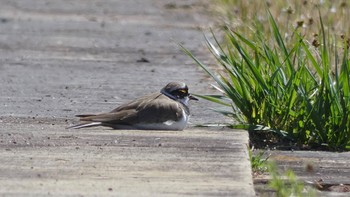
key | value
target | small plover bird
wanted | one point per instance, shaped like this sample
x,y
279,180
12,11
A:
x,y
164,110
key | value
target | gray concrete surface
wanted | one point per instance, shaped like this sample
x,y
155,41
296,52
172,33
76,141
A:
x,y
44,160
329,172
61,58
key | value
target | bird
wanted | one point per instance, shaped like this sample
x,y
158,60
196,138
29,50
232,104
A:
x,y
164,110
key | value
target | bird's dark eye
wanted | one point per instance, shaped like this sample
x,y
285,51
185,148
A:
x,y
180,93
183,91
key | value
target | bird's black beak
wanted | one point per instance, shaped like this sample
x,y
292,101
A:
x,y
192,98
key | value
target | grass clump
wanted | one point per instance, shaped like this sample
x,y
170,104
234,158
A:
x,y
287,185
258,161
298,92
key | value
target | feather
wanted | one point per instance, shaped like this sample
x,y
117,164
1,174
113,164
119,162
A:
x,y
85,125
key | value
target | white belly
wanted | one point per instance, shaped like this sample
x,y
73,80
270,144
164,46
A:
x,y
167,125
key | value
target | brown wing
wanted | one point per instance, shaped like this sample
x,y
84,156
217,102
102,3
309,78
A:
x,y
151,108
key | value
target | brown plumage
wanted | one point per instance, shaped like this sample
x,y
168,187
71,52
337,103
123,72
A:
x,y
148,112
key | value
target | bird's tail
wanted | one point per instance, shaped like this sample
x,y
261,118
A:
x,y
85,125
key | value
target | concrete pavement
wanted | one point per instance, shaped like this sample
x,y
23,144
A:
x,y
61,58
